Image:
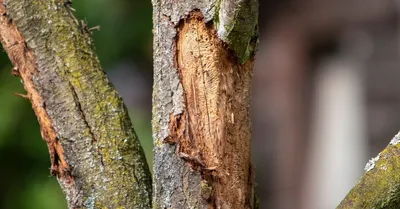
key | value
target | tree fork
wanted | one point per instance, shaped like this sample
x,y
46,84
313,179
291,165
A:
x,y
203,61
94,151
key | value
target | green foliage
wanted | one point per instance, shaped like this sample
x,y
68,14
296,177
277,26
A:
x,y
125,28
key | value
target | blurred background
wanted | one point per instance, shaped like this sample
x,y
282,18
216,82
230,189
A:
x,y
326,96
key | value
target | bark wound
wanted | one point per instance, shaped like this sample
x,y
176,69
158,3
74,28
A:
x,y
213,134
24,62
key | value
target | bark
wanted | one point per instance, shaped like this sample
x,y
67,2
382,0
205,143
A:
x,y
203,61
94,151
379,186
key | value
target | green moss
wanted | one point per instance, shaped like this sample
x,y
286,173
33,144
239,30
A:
x,y
216,14
240,31
206,189
64,50
379,187
159,143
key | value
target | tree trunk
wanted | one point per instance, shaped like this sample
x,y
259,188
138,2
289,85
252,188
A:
x,y
94,151
203,61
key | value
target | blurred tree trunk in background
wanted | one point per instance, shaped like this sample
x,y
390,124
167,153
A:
x,y
297,36
280,120
201,103
94,151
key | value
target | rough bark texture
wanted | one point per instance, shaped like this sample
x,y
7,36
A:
x,y
379,187
203,60
94,151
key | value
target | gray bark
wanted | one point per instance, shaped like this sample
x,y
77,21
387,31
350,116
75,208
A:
x,y
94,150
177,184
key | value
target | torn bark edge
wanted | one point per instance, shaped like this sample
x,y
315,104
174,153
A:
x,y
179,129
25,67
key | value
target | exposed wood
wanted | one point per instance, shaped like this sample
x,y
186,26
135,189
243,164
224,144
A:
x,y
216,92
201,105
94,151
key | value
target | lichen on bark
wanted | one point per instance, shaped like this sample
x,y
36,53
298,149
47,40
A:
x,y
379,187
95,152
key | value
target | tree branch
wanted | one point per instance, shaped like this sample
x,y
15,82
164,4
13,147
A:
x,y
94,150
201,103
236,22
379,187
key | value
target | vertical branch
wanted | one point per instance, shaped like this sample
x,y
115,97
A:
x,y
201,104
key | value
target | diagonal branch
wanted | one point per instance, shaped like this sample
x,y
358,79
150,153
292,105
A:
x,y
94,151
379,187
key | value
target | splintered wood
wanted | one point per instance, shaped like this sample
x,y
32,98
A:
x,y
25,67
213,134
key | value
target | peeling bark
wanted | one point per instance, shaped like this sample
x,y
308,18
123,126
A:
x,y
201,104
94,151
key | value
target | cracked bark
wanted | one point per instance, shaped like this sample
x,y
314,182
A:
x,y
94,150
203,60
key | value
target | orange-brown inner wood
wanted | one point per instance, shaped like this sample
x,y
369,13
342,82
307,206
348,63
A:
x,y
24,63
214,132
